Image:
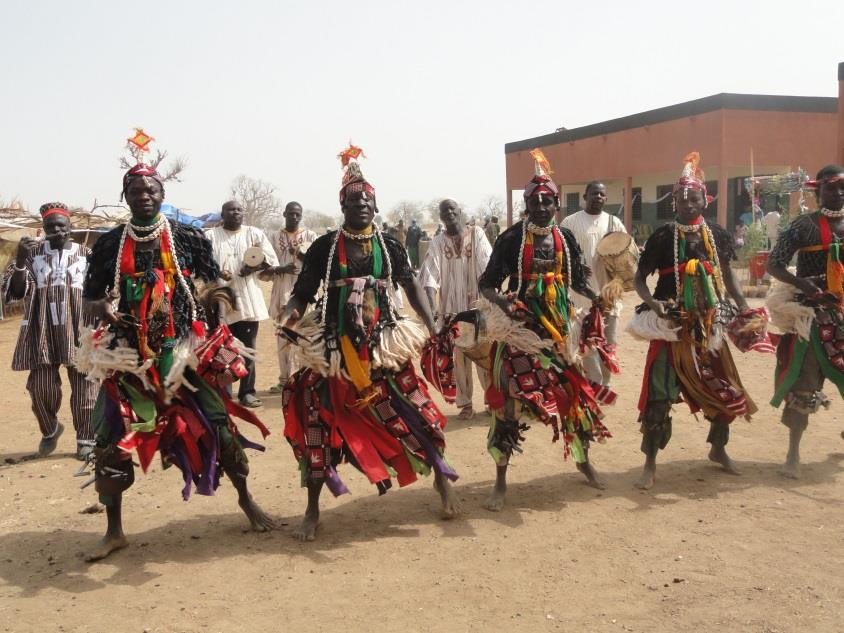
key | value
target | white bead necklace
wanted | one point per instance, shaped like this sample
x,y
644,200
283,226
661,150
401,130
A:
x,y
162,226
150,233
540,230
694,228
833,214
391,315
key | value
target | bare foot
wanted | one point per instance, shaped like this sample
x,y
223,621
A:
x,y
646,481
108,545
790,469
450,505
592,477
307,529
495,501
258,519
719,455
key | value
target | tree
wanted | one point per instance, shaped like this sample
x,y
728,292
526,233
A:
x,y
261,206
432,210
406,210
319,221
173,171
490,206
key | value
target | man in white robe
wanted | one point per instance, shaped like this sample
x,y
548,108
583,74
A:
x,y
589,226
455,261
291,244
230,241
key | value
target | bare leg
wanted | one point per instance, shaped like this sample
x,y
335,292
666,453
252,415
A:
x,y
591,474
495,501
114,538
307,529
258,519
719,433
650,447
791,468
450,505
646,479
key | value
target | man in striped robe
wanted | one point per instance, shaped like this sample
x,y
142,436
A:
x,y
48,275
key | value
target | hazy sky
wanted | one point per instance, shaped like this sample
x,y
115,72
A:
x,y
431,90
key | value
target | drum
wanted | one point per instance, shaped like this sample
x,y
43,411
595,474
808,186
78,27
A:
x,y
619,255
253,256
477,351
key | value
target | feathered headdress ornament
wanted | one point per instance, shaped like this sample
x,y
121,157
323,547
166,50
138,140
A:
x,y
692,177
353,179
541,181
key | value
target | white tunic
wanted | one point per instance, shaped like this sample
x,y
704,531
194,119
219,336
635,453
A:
x,y
229,247
288,246
588,230
455,273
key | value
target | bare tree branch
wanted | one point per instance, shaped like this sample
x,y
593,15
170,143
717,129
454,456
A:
x,y
172,172
257,198
175,169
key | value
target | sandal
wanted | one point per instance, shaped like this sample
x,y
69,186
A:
x,y
466,412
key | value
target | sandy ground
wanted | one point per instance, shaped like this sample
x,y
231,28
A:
x,y
702,551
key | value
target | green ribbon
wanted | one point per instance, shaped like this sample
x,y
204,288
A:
x,y
343,297
143,407
134,288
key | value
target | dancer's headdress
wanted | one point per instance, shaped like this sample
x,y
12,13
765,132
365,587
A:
x,y
541,181
141,171
353,180
692,177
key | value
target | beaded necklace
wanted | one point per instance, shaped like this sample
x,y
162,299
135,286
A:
x,y
695,267
833,214
375,236
137,288
549,302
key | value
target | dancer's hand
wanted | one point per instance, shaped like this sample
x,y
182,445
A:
x,y
291,320
808,287
225,275
103,311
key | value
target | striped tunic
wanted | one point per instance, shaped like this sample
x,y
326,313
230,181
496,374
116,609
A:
x,y
52,319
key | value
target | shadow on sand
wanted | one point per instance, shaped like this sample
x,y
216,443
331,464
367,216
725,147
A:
x,y
33,561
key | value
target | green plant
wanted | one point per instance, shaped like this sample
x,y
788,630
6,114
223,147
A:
x,y
755,240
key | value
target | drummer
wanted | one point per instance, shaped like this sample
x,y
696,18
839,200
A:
x,y
589,226
242,251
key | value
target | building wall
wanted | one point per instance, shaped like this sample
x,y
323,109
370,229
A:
x,y
652,154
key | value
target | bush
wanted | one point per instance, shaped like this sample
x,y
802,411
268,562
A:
x,y
755,240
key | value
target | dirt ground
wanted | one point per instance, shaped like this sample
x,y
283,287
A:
x,y
702,551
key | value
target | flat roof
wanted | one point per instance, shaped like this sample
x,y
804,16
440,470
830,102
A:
x,y
723,101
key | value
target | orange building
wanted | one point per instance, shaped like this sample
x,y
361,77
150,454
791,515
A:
x,y
639,156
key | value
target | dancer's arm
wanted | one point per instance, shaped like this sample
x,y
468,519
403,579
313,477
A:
x,y
787,245
419,303
733,287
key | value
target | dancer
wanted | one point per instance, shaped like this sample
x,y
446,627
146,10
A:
x,y
455,261
684,321
50,274
291,245
536,334
139,282
357,397
809,308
